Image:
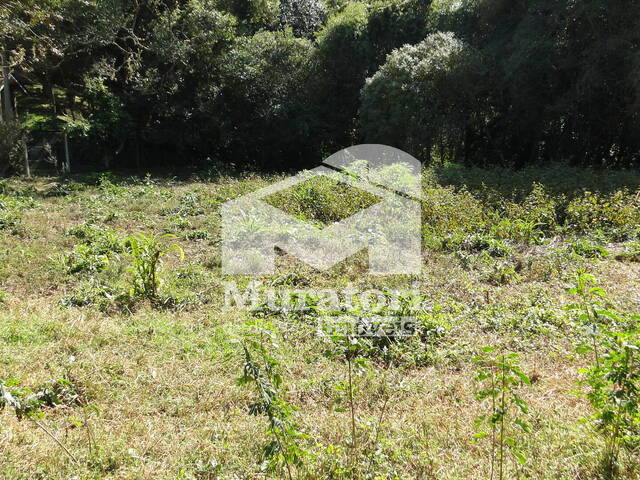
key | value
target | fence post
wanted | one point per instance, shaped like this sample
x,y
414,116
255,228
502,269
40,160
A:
x,y
27,169
67,160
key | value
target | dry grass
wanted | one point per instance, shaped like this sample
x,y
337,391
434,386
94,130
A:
x,y
162,382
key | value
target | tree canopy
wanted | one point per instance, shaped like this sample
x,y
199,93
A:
x,y
281,83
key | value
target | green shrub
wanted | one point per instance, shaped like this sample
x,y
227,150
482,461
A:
x,y
322,200
501,378
617,214
93,253
11,208
588,249
11,135
147,251
530,220
449,216
614,376
480,243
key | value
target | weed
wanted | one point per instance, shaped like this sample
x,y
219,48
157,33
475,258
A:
x,y
478,243
503,272
631,253
190,205
147,252
29,405
11,208
614,393
97,246
618,214
500,377
588,249
261,369
107,298
322,200
614,378
197,235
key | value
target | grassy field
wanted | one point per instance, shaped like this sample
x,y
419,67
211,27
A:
x,y
113,378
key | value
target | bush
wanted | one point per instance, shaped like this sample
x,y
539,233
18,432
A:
x,y
422,96
11,135
617,214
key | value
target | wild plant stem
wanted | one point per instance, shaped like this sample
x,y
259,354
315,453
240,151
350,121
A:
x,y
286,460
90,438
352,407
502,415
493,425
53,437
591,315
377,437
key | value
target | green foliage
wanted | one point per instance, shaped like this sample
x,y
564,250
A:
x,y
614,377
631,253
394,23
340,66
532,219
107,119
84,258
10,212
93,253
146,254
617,214
263,100
589,293
501,377
27,403
322,200
478,243
614,392
473,81
107,297
254,14
588,249
262,371
189,205
31,404
12,206
11,149
304,17
421,98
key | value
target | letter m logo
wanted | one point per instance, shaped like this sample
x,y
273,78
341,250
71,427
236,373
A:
x,y
389,230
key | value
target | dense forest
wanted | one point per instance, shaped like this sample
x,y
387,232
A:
x,y
278,84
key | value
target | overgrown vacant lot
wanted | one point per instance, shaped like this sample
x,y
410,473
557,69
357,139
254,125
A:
x,y
139,379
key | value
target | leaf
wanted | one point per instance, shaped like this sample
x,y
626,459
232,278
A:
x,y
523,377
607,313
523,425
520,456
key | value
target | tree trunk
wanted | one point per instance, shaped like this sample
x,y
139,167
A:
x,y
6,91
